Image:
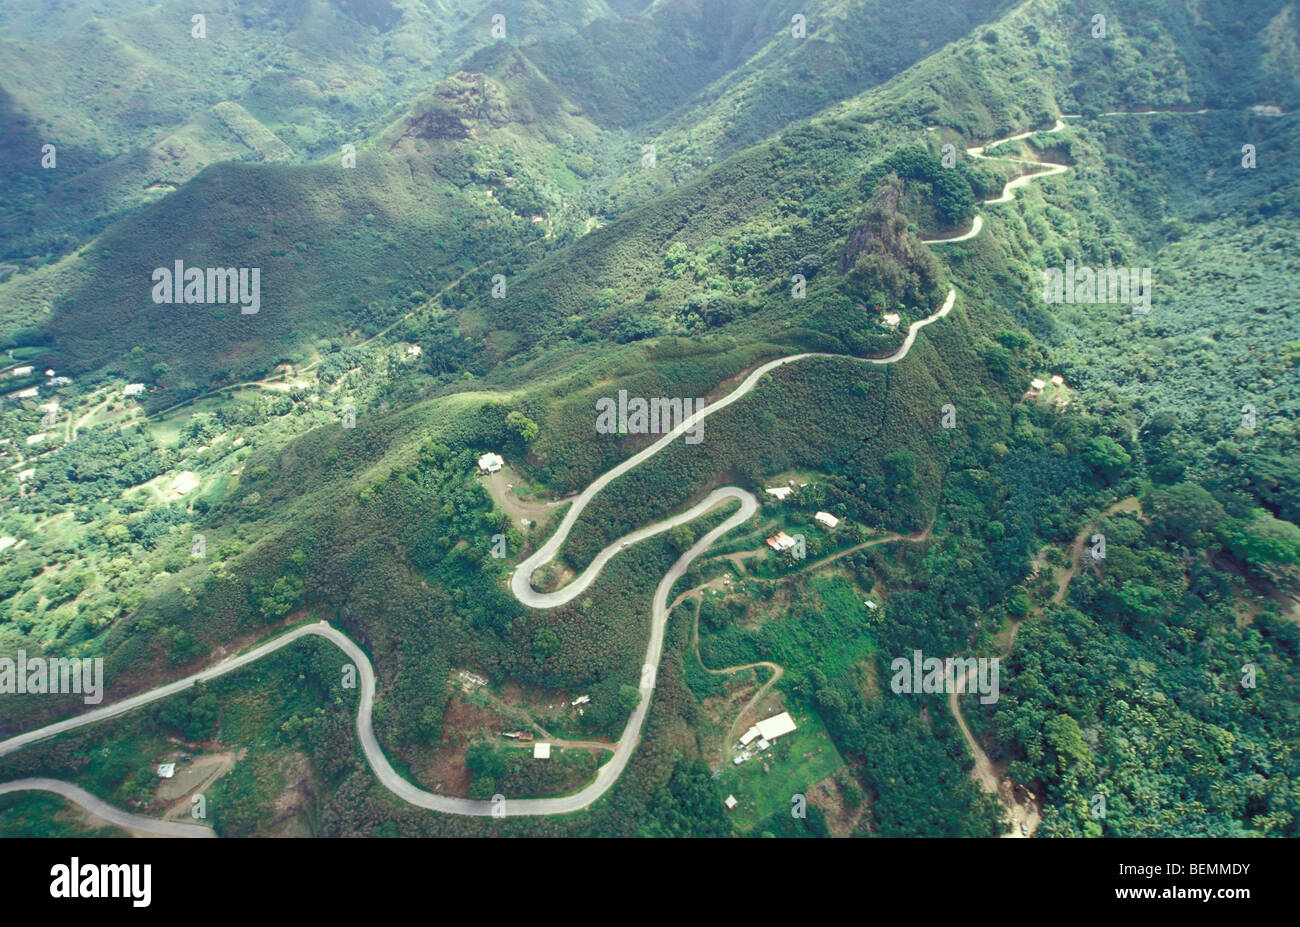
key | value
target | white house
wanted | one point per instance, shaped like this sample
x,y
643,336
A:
x,y
133,389
22,371
541,751
166,770
730,802
827,519
490,463
890,320
776,726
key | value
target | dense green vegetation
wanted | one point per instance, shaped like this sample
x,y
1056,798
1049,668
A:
x,y
777,159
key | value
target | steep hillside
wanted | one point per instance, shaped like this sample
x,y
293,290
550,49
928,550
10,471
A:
x,y
501,259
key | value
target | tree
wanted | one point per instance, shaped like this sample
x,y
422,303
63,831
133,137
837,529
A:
x,y
1106,456
681,537
1267,544
1183,512
1019,604
629,697
545,643
522,425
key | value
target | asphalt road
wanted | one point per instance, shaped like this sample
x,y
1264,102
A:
x,y
522,587
136,823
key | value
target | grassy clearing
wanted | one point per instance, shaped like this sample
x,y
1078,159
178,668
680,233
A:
x,y
793,764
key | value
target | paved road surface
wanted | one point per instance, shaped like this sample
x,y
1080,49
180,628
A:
x,y
521,585
136,823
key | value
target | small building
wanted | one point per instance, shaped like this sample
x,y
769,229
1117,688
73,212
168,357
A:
x,y
730,802
490,463
739,758
133,389
776,726
748,736
1058,380
827,519
36,438
22,371
185,482
30,393
1266,109
470,681
166,770
781,541
762,744
870,604
414,351
781,492
541,751
1036,387
580,700
49,373
25,475
60,381
890,320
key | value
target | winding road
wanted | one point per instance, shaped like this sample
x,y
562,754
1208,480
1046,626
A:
x,y
135,823
1008,192
521,586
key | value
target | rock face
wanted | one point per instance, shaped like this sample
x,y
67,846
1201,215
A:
x,y
456,106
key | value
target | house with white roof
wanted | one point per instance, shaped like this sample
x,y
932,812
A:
x,y
490,463
776,726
